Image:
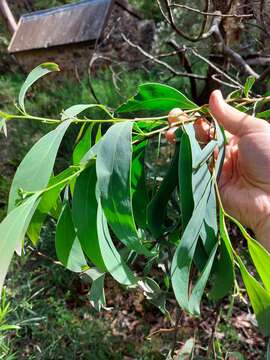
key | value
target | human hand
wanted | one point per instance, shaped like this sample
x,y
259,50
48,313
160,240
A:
x,y
245,179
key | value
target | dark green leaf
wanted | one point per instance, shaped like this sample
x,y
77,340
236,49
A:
x,y
225,276
68,248
113,166
83,146
157,209
84,212
140,196
154,96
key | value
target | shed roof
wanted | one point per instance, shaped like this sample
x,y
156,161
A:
x,y
63,25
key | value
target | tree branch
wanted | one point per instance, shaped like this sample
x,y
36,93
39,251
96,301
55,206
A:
x,y
162,63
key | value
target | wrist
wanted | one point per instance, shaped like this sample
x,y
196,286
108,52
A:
x,y
262,233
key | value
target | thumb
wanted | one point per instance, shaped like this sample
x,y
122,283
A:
x,y
233,120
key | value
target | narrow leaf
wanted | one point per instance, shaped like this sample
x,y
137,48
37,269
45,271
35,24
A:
x,y
35,170
83,146
113,167
68,248
113,261
34,75
249,84
12,231
84,213
97,294
259,297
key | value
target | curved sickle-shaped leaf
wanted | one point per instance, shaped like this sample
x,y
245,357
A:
x,y
198,289
34,75
84,212
114,156
12,231
157,209
259,297
113,261
182,260
36,168
225,275
155,96
68,247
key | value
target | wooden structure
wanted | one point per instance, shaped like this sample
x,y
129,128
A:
x,y
66,34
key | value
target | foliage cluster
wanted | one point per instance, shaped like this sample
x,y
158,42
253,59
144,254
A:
x,y
107,197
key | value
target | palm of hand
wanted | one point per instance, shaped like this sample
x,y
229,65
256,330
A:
x,y
244,183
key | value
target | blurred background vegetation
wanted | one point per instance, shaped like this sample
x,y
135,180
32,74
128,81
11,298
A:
x,y
49,315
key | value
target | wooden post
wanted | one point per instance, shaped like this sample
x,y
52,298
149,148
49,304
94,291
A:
x,y
8,16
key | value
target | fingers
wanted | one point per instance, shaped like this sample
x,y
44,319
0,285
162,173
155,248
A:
x,y
233,120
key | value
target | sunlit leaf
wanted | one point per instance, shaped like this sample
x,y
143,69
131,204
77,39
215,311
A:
x,y
259,297
113,167
155,96
34,75
12,232
36,168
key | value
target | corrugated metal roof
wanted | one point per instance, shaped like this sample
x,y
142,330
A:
x,y
63,25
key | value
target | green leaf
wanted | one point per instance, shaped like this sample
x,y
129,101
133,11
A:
x,y
84,213
182,260
113,261
225,275
68,248
113,167
50,204
249,84
154,96
99,134
263,115
34,75
157,208
186,350
198,289
154,294
261,260
35,170
140,196
259,297
12,232
260,256
97,294
75,110
83,146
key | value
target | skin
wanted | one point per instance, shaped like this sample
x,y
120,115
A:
x,y
245,180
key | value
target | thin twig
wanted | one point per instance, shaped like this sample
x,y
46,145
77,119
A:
x,y
201,12
164,64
